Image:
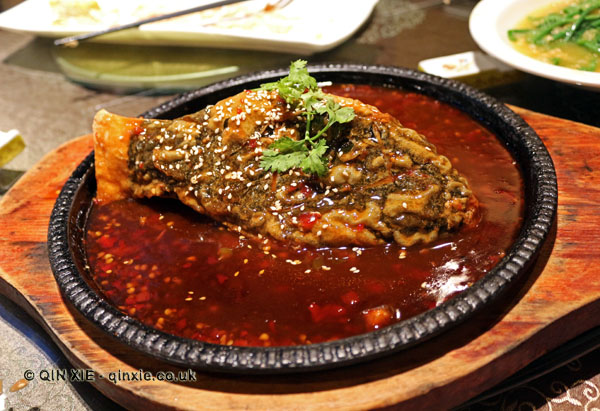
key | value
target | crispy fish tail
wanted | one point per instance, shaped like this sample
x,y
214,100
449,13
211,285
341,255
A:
x,y
112,134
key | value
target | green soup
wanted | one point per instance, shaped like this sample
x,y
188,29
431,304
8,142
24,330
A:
x,y
565,33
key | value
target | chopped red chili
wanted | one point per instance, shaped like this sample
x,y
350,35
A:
x,y
308,220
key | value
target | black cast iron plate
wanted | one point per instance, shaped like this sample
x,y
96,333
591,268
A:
x,y
67,225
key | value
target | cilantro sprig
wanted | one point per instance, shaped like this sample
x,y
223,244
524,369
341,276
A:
x,y
300,90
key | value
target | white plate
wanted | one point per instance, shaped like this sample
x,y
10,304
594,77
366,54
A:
x,y
489,23
295,28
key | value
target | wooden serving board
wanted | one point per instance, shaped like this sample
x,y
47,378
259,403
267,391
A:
x,y
557,301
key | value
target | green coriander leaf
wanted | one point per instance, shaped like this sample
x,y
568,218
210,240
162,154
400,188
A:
x,y
270,86
344,115
295,84
314,162
302,91
289,92
321,147
299,76
336,112
270,153
275,161
287,145
327,107
312,100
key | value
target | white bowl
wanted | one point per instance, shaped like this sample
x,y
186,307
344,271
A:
x,y
489,23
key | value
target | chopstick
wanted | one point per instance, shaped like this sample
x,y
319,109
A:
x,y
73,41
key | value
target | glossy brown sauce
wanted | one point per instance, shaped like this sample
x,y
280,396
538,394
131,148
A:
x,y
177,271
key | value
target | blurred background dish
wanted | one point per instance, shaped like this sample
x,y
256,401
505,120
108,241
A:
x,y
164,69
489,24
269,25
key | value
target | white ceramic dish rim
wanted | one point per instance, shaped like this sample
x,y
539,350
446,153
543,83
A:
x,y
489,22
24,18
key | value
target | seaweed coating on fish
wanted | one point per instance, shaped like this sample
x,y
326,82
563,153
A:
x,y
384,182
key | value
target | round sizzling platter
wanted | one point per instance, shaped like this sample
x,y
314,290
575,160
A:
x,y
68,219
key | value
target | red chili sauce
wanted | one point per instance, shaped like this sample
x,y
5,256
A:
x,y
180,272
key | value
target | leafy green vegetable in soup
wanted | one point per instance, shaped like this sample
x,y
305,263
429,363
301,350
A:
x,y
566,33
